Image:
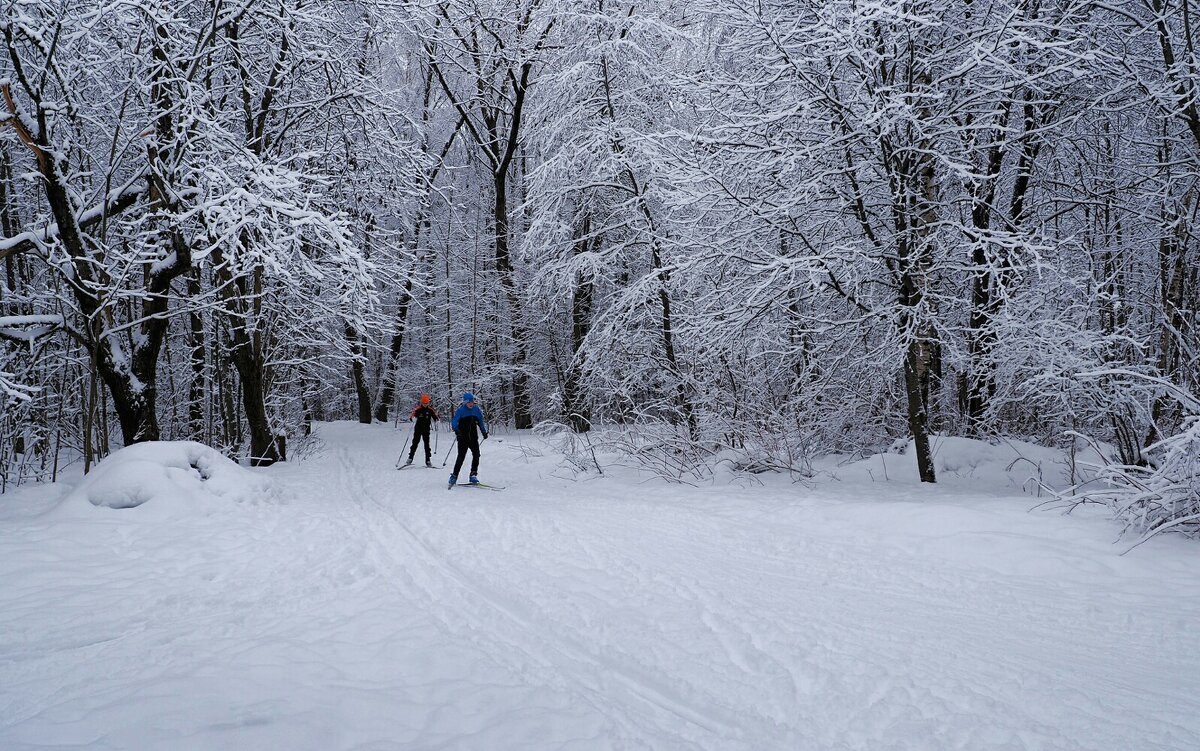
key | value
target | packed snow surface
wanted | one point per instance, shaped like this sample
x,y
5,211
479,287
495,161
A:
x,y
357,607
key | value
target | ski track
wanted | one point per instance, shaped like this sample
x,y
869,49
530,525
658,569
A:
x,y
513,631
371,609
574,668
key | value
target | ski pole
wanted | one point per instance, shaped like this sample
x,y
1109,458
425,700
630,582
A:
x,y
398,458
451,449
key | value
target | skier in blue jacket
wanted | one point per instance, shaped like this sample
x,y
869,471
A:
x,y
466,419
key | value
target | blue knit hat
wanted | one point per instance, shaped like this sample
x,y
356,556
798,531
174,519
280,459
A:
x,y
468,397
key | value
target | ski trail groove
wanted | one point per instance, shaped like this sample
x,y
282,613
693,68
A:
x,y
434,568
582,667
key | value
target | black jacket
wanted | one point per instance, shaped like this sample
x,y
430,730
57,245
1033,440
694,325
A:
x,y
424,416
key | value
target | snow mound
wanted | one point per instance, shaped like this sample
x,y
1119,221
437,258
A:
x,y
1005,464
167,478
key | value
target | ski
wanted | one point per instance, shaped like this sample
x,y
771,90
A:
x,y
483,485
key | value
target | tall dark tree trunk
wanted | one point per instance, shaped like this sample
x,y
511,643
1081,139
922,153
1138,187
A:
x,y
243,291
981,334
358,374
9,225
196,345
981,384
917,361
667,323
251,371
916,378
243,296
135,392
915,219
522,408
1172,251
574,410
387,392
264,449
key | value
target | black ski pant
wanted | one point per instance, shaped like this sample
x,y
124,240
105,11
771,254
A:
x,y
465,442
418,434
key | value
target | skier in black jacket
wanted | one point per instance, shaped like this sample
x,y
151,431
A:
x,y
424,415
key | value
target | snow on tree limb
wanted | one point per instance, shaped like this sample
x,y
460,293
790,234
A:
x,y
29,328
117,201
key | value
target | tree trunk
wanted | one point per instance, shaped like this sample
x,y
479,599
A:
x,y
196,344
981,340
357,372
916,378
1172,251
263,449
135,407
242,302
231,423
575,412
388,391
916,216
917,360
522,412
667,323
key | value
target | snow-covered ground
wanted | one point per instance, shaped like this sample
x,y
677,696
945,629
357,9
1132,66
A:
x,y
356,607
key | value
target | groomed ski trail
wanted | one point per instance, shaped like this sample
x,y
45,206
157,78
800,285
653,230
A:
x,y
701,631
509,632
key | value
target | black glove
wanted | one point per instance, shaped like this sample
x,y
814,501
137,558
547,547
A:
x,y
485,435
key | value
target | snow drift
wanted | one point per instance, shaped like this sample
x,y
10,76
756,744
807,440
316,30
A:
x,y
967,462
166,478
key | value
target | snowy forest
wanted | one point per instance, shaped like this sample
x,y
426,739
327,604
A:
x,y
759,229
830,371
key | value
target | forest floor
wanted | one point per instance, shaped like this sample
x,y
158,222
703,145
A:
x,y
365,608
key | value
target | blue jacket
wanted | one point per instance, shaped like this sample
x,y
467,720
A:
x,y
469,418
